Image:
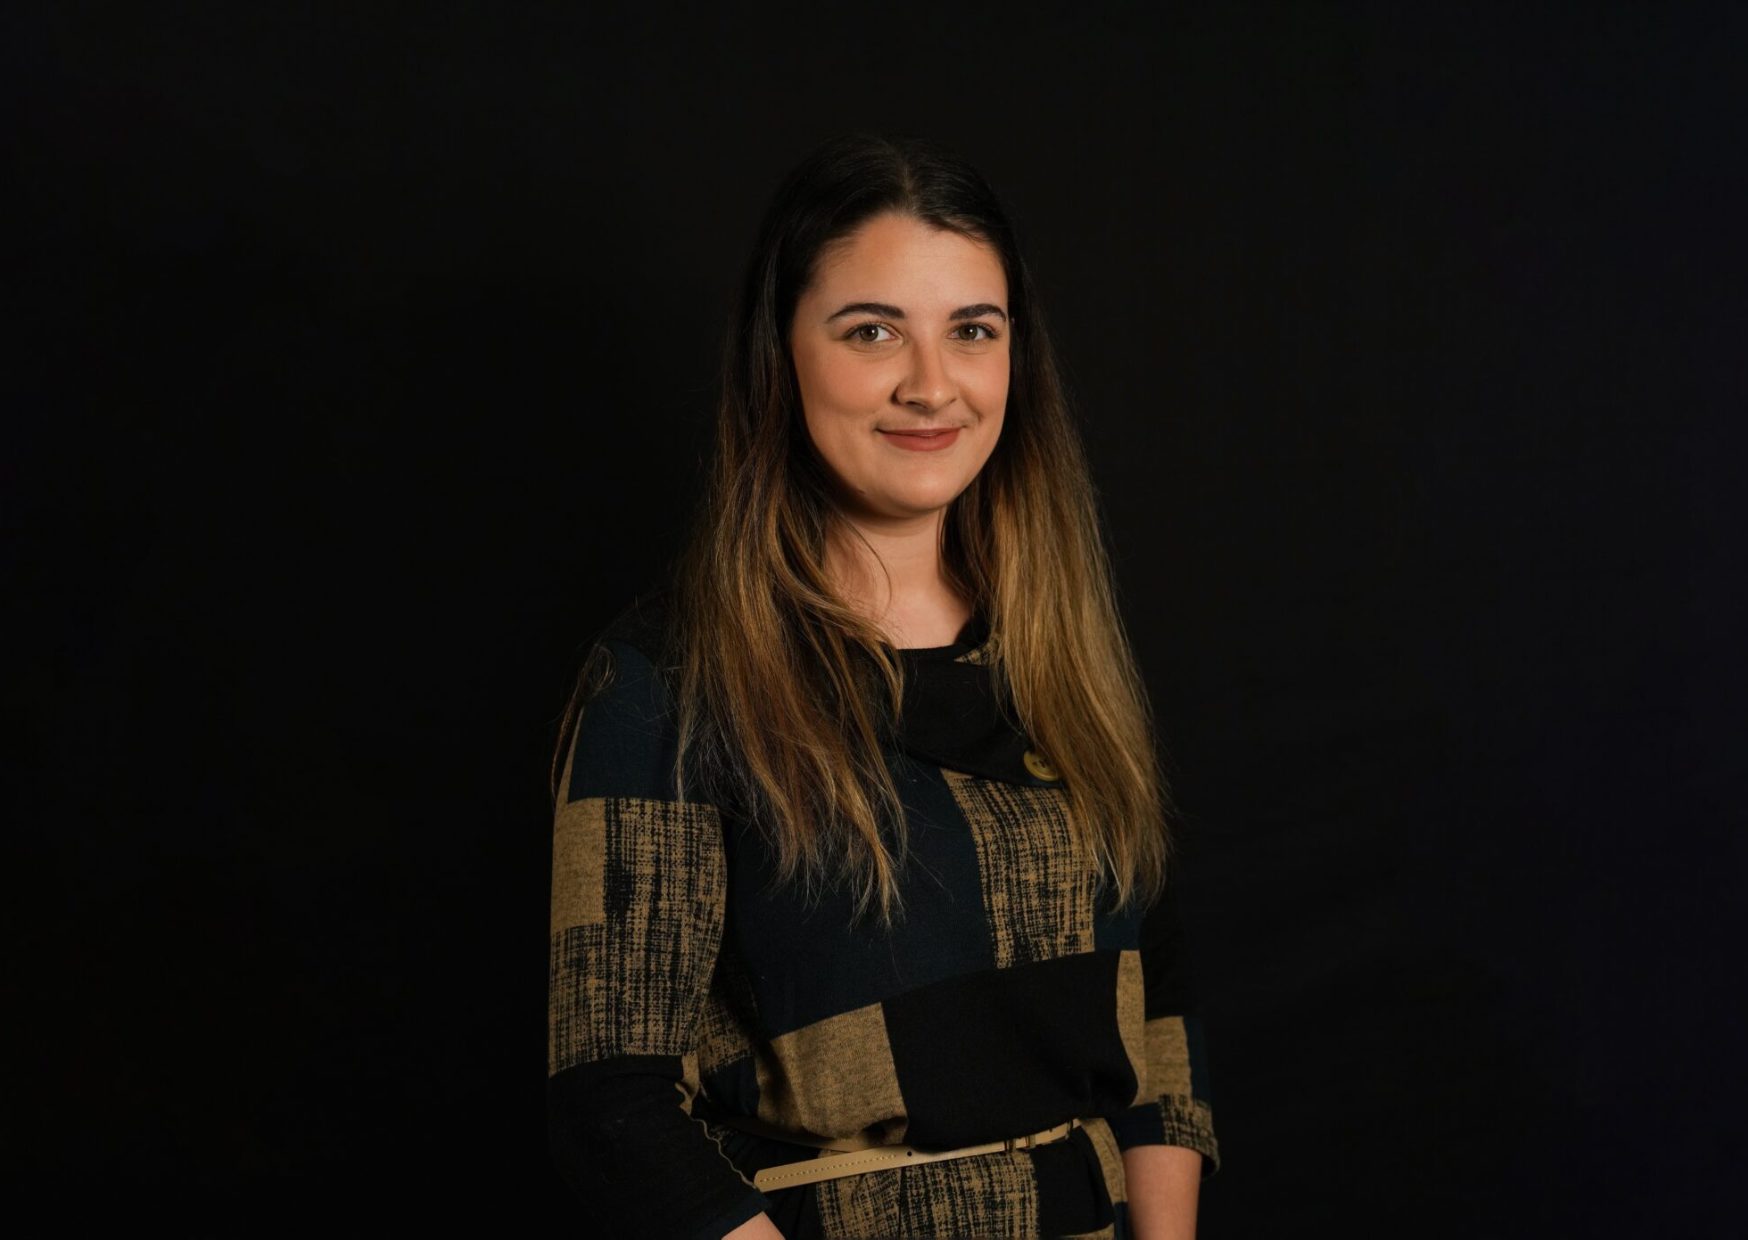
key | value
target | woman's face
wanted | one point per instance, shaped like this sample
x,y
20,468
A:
x,y
901,351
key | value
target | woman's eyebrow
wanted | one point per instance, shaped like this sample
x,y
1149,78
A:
x,y
893,312
978,311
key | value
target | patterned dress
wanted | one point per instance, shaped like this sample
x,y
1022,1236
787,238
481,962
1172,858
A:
x,y
686,987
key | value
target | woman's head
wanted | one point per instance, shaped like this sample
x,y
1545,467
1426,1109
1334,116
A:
x,y
887,217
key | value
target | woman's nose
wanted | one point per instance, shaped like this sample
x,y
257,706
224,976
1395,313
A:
x,y
927,386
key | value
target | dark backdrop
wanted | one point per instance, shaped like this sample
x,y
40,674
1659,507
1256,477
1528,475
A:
x,y
363,372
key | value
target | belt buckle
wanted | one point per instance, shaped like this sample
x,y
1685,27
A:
x,y
1032,1139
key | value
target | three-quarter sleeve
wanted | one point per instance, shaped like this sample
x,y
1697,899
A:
x,y
1178,1107
638,897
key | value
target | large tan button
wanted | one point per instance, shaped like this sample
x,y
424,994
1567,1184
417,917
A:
x,y
1036,763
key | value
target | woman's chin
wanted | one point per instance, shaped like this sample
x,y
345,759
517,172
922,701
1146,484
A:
x,y
910,505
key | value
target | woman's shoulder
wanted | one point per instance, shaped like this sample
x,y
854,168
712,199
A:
x,y
624,733
645,624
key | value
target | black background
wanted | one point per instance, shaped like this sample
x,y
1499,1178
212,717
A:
x,y
364,370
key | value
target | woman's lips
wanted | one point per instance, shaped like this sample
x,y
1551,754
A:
x,y
922,441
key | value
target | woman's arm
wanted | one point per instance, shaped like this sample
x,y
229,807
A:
x,y
1164,1182
638,892
759,1227
1167,1138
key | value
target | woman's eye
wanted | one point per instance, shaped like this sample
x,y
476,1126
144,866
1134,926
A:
x,y
988,332
857,333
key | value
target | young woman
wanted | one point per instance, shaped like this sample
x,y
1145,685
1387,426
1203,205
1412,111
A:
x,y
860,915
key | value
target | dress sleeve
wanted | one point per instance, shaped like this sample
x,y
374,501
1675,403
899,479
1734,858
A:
x,y
638,896
1179,1106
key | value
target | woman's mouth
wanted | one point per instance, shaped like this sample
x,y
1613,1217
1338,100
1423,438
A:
x,y
923,441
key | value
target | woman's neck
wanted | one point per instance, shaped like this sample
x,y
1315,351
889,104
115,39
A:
x,y
912,600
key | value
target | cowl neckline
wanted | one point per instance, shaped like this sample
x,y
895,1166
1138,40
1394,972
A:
x,y
952,714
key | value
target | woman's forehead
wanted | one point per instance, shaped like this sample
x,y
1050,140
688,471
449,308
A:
x,y
892,255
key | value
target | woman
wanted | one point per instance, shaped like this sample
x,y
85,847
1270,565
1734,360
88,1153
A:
x,y
859,918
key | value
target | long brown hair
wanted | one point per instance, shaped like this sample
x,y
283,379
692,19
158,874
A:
x,y
786,696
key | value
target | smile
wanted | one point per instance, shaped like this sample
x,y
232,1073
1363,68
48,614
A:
x,y
923,441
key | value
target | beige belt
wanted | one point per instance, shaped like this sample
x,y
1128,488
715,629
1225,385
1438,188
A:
x,y
854,1155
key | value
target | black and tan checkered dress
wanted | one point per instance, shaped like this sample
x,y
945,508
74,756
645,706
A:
x,y
684,987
